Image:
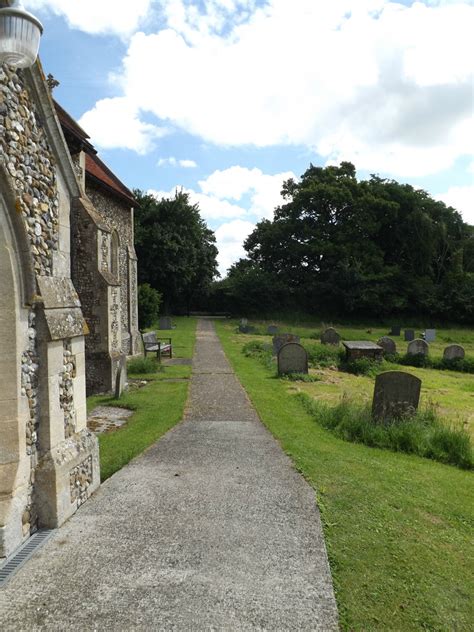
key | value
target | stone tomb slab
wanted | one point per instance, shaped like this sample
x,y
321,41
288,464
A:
x,y
356,349
292,358
396,395
283,339
388,345
107,419
330,337
454,352
418,347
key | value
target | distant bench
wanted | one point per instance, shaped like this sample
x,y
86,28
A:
x,y
160,346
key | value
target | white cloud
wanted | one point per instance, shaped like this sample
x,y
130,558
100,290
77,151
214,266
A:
x,y
383,84
229,239
218,197
174,162
462,199
115,123
119,17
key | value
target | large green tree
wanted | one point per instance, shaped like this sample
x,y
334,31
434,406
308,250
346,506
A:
x,y
374,247
176,250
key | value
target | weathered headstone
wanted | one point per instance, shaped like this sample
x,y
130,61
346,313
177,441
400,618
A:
x,y
387,344
330,337
454,352
396,395
272,330
356,349
244,322
246,329
430,335
409,335
418,347
292,358
395,331
164,322
121,378
283,339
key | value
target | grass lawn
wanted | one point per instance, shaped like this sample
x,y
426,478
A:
x,y
398,527
157,407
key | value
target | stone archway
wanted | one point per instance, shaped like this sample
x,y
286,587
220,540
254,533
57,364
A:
x,y
14,409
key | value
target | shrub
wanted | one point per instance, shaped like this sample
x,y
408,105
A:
x,y
141,366
320,356
423,434
260,351
149,301
300,377
417,360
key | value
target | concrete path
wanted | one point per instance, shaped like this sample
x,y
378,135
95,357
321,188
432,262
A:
x,y
210,529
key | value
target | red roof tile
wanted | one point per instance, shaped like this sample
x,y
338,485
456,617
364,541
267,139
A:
x,y
105,178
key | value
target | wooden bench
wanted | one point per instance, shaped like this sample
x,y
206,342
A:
x,y
152,344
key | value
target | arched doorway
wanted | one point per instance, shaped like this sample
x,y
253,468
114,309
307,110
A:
x,y
15,463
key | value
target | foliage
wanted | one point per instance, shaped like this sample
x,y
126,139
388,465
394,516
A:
x,y
323,355
142,366
149,301
300,377
423,433
259,351
176,251
342,246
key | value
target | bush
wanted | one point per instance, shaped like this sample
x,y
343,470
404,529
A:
x,y
141,366
423,434
260,351
300,377
417,360
149,301
320,356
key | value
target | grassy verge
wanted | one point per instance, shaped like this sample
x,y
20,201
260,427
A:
x,y
398,527
157,407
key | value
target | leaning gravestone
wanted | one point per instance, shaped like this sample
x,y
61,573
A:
x,y
292,358
272,330
430,335
121,378
409,335
330,337
283,339
395,331
396,394
164,323
454,352
418,347
387,344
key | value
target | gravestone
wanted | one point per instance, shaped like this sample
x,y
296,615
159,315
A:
x,y
292,358
272,330
387,344
164,323
330,337
121,378
246,329
454,352
418,347
409,335
430,335
283,339
395,331
244,322
396,394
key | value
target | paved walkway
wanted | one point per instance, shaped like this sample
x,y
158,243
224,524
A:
x,y
210,529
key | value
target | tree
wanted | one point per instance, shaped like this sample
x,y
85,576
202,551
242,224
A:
x,y
375,247
176,251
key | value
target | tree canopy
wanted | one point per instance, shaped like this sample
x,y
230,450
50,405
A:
x,y
347,247
176,250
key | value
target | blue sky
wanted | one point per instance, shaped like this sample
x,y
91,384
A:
x,y
227,98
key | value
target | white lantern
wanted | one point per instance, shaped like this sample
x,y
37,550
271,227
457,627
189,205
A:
x,y
20,34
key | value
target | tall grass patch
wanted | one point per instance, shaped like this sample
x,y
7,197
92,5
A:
x,y
423,433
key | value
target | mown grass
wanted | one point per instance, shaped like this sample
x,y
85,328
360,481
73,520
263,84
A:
x,y
157,407
398,527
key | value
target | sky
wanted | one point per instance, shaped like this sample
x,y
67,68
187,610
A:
x,y
227,99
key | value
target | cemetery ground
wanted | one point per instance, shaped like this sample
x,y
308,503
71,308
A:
x,y
398,527
157,406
